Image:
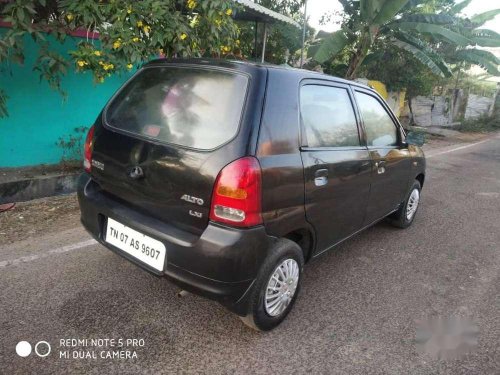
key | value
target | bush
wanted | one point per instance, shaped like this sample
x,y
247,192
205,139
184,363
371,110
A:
x,y
480,124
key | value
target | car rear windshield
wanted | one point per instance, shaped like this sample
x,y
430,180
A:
x,y
191,107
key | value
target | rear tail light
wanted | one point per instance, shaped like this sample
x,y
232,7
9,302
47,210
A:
x,y
87,150
236,198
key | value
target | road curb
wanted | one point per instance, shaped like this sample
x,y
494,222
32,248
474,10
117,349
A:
x,y
40,187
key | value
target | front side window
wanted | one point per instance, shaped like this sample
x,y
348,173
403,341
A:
x,y
380,129
198,108
328,117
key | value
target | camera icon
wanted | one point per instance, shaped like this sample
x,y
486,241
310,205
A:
x,y
42,349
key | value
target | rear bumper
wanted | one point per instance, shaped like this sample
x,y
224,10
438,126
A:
x,y
221,264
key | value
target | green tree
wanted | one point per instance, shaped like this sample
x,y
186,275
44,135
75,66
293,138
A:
x,y
284,40
396,64
131,32
410,25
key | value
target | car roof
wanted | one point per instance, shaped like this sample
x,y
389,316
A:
x,y
246,65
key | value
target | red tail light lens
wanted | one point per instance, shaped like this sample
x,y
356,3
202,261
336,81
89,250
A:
x,y
87,150
236,199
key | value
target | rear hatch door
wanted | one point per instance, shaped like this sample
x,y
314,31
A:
x,y
165,136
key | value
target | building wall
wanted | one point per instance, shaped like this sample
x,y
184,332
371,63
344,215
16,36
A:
x,y
39,116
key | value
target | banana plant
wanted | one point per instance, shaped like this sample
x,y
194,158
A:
x,y
396,22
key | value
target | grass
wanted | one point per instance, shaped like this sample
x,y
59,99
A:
x,y
481,124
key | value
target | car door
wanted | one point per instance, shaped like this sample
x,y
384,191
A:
x,y
389,155
336,162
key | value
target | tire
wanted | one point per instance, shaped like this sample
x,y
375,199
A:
x,y
400,218
259,316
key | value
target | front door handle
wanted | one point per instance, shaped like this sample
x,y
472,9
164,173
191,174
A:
x,y
380,165
321,177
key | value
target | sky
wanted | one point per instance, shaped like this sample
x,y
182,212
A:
x,y
316,8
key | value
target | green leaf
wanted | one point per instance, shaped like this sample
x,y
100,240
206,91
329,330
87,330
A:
x,y
434,30
20,14
481,18
486,38
369,9
372,57
484,59
388,11
486,55
485,33
420,56
457,8
422,46
331,46
412,4
436,19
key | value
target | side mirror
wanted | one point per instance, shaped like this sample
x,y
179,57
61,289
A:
x,y
414,138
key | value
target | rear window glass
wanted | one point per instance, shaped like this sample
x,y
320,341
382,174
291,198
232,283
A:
x,y
198,108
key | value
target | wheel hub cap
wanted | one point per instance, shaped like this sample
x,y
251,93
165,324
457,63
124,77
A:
x,y
412,205
281,287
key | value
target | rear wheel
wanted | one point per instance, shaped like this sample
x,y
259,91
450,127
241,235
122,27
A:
x,y
276,287
403,217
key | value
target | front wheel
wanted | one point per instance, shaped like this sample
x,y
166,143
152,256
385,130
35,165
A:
x,y
276,287
405,215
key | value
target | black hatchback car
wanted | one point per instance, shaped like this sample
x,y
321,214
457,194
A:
x,y
226,177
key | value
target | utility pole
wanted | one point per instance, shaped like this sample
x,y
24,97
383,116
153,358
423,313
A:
x,y
303,34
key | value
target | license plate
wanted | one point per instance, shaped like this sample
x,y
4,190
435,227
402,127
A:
x,y
146,249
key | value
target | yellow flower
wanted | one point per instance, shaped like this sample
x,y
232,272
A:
x,y
108,66
183,36
139,23
229,12
97,53
146,29
117,44
129,10
101,62
227,48
69,17
191,4
129,66
218,21
237,41
195,21
135,39
81,63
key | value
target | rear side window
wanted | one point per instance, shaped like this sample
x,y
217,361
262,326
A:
x,y
197,108
380,129
328,117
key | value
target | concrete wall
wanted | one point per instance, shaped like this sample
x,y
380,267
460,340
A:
x,y
38,115
477,106
448,110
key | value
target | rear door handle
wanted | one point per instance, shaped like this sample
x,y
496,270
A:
x,y
321,177
380,165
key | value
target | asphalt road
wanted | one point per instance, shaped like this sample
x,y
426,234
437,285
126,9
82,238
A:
x,y
356,314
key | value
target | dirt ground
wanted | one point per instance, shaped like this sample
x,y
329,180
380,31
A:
x,y
435,141
39,216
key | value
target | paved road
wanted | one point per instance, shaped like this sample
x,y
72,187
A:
x,y
356,313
